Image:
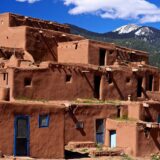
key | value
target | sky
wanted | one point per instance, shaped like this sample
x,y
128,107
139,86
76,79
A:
x,y
94,15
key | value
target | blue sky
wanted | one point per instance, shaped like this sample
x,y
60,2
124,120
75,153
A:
x,y
94,15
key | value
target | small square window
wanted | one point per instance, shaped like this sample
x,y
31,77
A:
x,y
68,78
128,80
27,81
79,125
43,121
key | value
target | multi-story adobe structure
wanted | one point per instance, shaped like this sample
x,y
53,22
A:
x,y
44,69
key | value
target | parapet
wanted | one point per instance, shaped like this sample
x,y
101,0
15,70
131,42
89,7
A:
x,y
15,20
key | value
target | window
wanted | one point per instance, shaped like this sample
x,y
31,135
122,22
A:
x,y
43,121
128,80
150,85
79,125
139,86
68,78
111,51
27,81
4,76
102,55
118,112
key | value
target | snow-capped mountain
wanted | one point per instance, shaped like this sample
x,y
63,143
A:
x,y
130,31
126,29
144,31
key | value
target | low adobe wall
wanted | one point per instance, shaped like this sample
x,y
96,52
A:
x,y
134,138
126,133
44,142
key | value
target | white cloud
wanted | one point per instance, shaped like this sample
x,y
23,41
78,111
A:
x,y
140,10
29,1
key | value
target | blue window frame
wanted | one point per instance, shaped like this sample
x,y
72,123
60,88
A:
x,y
43,121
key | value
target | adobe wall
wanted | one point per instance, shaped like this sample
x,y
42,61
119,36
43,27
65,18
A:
x,y
94,52
150,113
126,135
134,111
4,21
51,84
148,143
13,37
88,115
73,52
85,51
118,84
44,142
144,73
42,46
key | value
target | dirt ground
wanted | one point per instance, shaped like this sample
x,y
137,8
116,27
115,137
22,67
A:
x,y
96,158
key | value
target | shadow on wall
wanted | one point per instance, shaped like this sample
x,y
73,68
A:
x,y
117,88
144,93
75,120
155,135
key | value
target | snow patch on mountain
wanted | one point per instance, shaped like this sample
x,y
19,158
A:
x,y
126,29
144,31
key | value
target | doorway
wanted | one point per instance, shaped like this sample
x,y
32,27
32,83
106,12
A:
x,y
21,136
100,131
150,85
97,80
102,56
113,138
139,87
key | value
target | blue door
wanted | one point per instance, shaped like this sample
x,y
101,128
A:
x,y
113,139
21,136
100,131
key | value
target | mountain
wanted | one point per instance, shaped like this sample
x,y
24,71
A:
x,y
126,29
137,37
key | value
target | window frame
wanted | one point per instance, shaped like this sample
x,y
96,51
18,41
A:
x,y
47,119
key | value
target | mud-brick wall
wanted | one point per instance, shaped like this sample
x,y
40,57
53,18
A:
x,y
13,37
94,53
150,113
87,114
148,142
4,21
119,84
44,142
154,92
125,135
73,52
52,84
42,46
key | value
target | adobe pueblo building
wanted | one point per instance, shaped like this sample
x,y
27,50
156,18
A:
x,y
60,89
